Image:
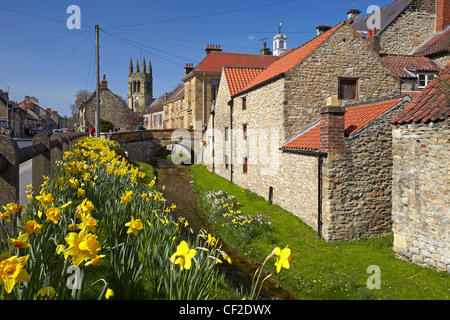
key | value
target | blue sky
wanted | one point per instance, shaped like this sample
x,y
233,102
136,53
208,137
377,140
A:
x,y
41,57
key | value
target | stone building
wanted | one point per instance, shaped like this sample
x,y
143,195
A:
x,y
140,87
175,116
405,24
421,180
154,117
437,47
12,116
201,83
112,108
414,72
259,109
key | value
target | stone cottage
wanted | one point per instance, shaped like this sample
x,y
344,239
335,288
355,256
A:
x,y
112,108
259,109
405,24
201,83
437,47
336,174
415,72
421,178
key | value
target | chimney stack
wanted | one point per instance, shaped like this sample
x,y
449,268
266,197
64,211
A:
x,y
265,51
353,15
442,14
49,110
212,47
104,84
189,67
332,125
373,40
321,29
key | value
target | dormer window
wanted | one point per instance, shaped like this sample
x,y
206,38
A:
x,y
425,79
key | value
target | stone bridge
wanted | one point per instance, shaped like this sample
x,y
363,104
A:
x,y
143,145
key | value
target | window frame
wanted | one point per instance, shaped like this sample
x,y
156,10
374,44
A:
x,y
427,79
341,91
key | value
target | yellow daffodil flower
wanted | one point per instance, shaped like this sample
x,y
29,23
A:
x,y
21,242
82,246
46,291
283,258
12,271
126,197
53,214
109,293
88,222
31,226
80,192
183,255
45,198
134,226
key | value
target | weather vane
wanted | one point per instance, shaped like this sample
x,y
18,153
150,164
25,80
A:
x,y
279,28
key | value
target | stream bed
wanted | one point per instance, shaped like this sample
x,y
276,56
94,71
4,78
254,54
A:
x,y
179,190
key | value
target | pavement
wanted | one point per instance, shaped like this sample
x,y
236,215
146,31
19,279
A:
x,y
25,171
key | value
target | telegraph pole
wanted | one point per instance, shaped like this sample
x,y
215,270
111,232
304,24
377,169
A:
x,y
97,116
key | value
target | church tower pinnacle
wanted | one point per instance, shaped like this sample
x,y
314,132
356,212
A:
x,y
140,87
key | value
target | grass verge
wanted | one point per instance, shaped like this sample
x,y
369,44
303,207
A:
x,y
327,270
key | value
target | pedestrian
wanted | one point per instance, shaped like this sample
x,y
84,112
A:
x,y
92,132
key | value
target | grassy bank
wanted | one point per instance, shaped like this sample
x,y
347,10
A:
x,y
322,270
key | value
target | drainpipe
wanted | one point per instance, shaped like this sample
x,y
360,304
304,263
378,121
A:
x,y
213,113
230,103
319,195
204,101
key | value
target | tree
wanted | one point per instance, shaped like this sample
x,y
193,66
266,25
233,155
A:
x,y
80,97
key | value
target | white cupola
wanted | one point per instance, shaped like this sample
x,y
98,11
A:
x,y
279,43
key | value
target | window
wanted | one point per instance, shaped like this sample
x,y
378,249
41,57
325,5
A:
x,y
281,44
226,133
244,103
425,79
214,89
245,165
226,162
244,131
348,89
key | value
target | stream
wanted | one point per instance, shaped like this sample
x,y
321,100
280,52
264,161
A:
x,y
179,190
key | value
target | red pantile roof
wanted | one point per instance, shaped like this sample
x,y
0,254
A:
x,y
292,59
398,64
215,60
238,77
433,102
439,43
356,117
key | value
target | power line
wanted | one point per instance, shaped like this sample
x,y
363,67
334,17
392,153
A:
x,y
59,65
140,45
204,15
45,40
33,15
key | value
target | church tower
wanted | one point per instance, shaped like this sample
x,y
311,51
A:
x,y
279,42
140,87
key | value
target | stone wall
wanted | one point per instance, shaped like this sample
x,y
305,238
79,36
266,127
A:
x,y
357,183
420,206
410,28
344,55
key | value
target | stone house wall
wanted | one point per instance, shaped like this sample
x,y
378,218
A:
x,y
357,184
410,28
344,55
420,195
113,110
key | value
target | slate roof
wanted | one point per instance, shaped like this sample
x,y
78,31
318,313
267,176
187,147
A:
x,y
398,64
387,14
177,94
439,43
290,60
356,118
432,104
238,77
215,60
